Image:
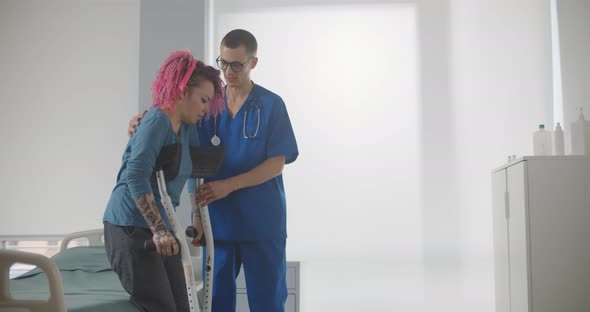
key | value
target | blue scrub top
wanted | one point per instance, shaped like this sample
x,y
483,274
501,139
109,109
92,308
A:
x,y
258,212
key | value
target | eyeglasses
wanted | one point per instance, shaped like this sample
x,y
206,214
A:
x,y
235,66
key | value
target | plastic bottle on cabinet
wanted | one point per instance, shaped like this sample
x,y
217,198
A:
x,y
558,142
542,142
581,136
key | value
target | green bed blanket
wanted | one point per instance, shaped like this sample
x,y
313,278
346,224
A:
x,y
89,283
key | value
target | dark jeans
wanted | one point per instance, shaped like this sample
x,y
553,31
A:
x,y
155,282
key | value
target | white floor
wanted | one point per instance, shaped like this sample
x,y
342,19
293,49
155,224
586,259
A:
x,y
396,286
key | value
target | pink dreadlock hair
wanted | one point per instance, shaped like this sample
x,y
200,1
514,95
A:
x,y
179,71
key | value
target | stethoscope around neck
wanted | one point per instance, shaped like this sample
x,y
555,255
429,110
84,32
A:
x,y
253,102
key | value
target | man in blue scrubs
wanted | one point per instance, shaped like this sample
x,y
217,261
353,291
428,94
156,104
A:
x,y
247,198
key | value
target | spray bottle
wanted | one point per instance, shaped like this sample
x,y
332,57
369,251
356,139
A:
x,y
581,135
558,143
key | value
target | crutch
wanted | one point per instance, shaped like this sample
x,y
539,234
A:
x,y
187,264
206,162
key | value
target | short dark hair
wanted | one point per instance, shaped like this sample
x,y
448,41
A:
x,y
238,37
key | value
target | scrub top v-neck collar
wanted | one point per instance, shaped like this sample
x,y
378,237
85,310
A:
x,y
246,101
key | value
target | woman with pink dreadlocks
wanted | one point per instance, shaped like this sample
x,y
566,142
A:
x,y
185,90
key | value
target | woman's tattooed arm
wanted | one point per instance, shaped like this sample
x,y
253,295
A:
x,y
149,210
165,242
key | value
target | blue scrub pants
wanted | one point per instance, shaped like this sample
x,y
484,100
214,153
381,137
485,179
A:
x,y
264,269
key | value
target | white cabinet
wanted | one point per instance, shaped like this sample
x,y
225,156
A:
x,y
292,304
541,215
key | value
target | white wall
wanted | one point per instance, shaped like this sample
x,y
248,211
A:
x,y
441,216
501,90
166,26
501,82
349,77
68,86
574,39
485,85
355,121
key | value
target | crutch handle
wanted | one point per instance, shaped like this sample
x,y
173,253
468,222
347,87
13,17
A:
x,y
192,232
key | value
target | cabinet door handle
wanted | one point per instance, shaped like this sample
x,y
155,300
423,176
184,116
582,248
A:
x,y
507,205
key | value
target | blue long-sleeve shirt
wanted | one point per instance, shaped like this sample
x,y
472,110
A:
x,y
138,163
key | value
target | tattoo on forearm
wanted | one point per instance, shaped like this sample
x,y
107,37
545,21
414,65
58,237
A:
x,y
149,210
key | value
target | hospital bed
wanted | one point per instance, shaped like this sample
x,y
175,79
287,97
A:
x,y
77,279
